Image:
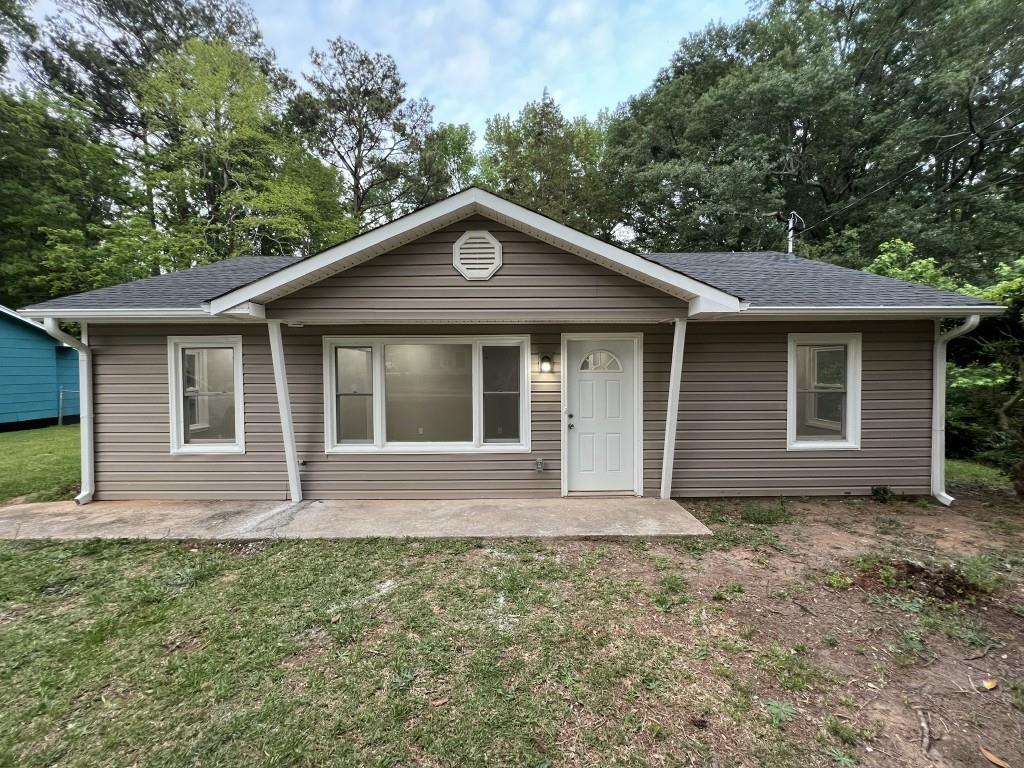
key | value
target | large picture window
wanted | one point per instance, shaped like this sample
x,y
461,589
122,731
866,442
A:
x,y
824,391
422,395
205,377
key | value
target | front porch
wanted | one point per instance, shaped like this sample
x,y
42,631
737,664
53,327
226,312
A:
x,y
616,517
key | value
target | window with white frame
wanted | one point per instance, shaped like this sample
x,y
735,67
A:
x,y
205,377
423,395
823,402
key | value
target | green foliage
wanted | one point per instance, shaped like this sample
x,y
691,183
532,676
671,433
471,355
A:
x,y
881,121
227,178
552,164
980,573
766,513
357,117
15,29
59,184
780,712
896,259
838,581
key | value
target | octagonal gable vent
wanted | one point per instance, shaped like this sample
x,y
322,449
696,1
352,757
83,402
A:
x,y
477,255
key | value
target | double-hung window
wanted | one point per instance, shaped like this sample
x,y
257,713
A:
x,y
427,395
205,383
823,403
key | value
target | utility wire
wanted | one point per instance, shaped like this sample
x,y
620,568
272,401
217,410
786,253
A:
x,y
917,167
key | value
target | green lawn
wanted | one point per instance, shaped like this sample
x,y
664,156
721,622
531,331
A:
x,y
753,647
970,474
39,463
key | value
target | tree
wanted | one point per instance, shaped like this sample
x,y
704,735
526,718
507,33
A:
x,y
446,164
229,178
15,29
873,120
554,165
98,51
358,118
224,177
56,176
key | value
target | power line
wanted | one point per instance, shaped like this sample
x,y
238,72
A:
x,y
917,167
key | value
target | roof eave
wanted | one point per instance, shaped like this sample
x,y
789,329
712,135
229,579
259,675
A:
x,y
149,314
854,312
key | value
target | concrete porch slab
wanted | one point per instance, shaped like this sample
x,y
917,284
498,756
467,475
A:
x,y
623,516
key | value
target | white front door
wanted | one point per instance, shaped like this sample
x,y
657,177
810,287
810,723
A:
x,y
600,414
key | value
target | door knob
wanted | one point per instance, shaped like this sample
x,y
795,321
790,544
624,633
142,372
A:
x,y
572,426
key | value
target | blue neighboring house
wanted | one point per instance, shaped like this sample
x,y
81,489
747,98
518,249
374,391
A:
x,y
34,367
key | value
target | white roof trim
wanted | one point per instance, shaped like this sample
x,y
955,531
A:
x,y
859,309
434,217
73,313
18,316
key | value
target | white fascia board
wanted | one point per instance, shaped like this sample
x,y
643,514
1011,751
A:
x,y
20,316
855,312
419,223
71,313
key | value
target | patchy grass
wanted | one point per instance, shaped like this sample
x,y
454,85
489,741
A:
x,y
40,464
796,642
790,667
971,475
766,513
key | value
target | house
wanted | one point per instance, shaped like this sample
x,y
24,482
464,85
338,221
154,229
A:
x,y
38,375
475,348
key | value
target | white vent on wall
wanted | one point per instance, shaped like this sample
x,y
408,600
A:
x,y
477,255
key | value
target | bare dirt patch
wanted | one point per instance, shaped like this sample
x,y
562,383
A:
x,y
799,654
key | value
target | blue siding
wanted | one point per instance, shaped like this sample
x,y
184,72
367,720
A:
x,y
32,367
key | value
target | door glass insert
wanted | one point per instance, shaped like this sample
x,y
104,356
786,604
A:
x,y
601,360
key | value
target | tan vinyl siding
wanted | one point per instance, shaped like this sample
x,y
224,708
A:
x,y
731,436
133,458
537,282
451,476
732,421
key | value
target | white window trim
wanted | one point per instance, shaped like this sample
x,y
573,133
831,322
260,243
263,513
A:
x,y
377,343
853,343
175,344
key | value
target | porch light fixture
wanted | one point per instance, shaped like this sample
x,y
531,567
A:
x,y
545,364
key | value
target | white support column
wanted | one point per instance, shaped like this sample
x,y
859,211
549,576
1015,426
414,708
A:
x,y
672,409
939,404
284,407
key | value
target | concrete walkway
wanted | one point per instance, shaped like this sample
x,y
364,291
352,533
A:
x,y
488,518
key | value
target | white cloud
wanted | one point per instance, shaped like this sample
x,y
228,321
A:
x,y
475,58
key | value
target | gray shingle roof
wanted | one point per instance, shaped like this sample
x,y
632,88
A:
x,y
175,290
765,279
773,279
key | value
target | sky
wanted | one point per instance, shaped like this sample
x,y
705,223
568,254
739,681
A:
x,y
476,58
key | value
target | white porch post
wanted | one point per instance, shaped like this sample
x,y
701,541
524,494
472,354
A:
x,y
284,407
672,409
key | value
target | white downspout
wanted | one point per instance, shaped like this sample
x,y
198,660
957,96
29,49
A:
x,y
939,404
672,409
284,407
85,402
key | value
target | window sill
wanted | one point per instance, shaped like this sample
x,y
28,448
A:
x,y
823,445
425,448
187,450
